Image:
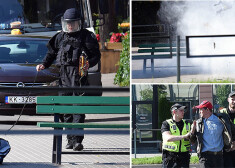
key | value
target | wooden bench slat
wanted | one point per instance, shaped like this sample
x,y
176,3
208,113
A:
x,y
51,109
162,56
156,50
155,45
160,50
81,125
99,100
160,45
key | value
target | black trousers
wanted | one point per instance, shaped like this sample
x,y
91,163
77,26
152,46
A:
x,y
69,78
74,118
229,159
175,160
207,160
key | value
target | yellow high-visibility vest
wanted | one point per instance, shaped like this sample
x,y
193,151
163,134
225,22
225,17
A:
x,y
177,146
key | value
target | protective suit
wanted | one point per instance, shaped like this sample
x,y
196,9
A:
x,y
66,48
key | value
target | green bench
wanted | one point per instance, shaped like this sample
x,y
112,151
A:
x,y
156,51
58,105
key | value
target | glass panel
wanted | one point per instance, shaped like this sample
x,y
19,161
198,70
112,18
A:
x,y
34,14
144,119
206,46
143,92
220,95
233,87
22,51
186,94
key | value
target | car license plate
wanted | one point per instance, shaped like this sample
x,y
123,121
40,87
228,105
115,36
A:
x,y
20,99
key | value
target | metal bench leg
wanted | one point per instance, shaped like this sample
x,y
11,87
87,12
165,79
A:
x,y
57,143
58,149
152,66
144,66
54,150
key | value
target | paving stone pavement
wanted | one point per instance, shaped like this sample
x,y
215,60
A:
x,y
35,151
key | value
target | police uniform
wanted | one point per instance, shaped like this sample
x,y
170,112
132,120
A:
x,y
229,160
65,49
176,153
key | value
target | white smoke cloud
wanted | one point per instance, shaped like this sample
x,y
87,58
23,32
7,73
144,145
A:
x,y
204,18
207,17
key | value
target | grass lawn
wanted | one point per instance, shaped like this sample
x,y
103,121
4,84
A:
x,y
213,81
157,160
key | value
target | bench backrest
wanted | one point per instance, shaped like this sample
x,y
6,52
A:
x,y
160,47
83,105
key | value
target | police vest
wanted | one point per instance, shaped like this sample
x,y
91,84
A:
x,y
177,146
224,110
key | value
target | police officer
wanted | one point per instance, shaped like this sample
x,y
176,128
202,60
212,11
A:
x,y
229,156
65,48
175,134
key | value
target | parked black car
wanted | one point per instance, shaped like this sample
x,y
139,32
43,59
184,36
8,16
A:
x,y
19,56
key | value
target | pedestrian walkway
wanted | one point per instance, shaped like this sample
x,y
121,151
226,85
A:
x,y
36,151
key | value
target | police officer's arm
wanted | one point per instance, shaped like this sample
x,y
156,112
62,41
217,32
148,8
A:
x,y
51,53
92,49
52,46
49,59
168,137
192,136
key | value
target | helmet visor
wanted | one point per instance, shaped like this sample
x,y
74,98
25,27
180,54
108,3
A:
x,y
70,26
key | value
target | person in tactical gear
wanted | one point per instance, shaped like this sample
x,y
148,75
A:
x,y
213,132
229,156
176,133
75,50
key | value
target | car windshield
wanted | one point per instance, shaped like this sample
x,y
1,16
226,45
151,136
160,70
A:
x,y
36,15
22,51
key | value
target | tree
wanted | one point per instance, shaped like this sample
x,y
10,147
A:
x,y
164,106
222,92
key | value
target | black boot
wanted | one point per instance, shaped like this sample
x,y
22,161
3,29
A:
x,y
77,146
69,144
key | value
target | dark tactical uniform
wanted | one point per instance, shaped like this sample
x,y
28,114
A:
x,y
66,49
229,157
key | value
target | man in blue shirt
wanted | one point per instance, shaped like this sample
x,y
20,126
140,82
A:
x,y
213,132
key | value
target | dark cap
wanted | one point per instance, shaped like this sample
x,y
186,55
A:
x,y
71,14
205,104
231,94
177,106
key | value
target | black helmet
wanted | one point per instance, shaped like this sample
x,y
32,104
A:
x,y
71,20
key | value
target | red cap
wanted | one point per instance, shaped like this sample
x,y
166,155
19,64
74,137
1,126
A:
x,y
206,104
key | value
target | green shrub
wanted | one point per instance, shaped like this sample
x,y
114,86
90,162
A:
x,y
122,78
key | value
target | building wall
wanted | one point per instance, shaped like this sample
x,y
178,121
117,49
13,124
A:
x,y
205,93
